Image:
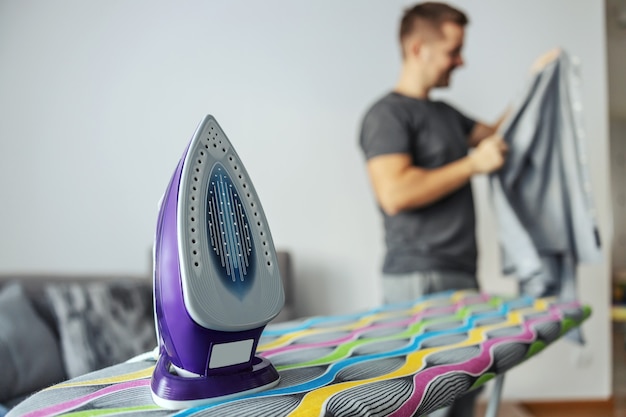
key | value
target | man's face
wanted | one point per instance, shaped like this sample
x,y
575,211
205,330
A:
x,y
442,55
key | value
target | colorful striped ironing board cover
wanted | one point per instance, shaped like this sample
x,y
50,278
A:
x,y
400,360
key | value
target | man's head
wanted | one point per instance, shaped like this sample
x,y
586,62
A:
x,y
431,38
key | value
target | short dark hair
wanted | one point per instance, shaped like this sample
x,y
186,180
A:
x,y
428,17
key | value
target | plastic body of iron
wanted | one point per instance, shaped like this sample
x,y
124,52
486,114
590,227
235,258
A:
x,y
216,278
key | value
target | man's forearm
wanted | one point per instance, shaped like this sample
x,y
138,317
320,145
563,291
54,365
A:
x,y
482,131
400,185
417,187
505,115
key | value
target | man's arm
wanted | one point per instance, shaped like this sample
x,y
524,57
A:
x,y
482,130
399,185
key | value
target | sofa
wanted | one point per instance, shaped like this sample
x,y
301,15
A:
x,y
55,327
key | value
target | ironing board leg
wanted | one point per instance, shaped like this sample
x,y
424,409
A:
x,y
494,401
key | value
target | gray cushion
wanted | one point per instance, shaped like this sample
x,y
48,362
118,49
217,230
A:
x,y
31,359
102,324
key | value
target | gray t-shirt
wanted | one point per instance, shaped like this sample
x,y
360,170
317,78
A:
x,y
440,236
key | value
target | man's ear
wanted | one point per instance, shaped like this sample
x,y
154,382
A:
x,y
414,46
425,51
417,48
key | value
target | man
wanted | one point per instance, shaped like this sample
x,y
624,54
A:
x,y
420,169
418,161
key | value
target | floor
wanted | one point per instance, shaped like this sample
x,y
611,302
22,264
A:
x,y
615,408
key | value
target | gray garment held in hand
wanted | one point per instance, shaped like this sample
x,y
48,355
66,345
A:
x,y
542,195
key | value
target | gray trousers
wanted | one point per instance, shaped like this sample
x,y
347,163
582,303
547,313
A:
x,y
407,287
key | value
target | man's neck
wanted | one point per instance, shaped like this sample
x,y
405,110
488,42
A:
x,y
409,85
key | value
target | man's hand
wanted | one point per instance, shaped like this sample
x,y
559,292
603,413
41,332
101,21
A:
x,y
543,60
489,155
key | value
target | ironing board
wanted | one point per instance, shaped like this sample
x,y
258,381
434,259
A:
x,y
396,360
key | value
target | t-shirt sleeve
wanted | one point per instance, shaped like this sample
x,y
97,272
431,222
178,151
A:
x,y
383,131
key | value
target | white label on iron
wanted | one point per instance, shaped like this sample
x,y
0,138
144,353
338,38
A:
x,y
232,353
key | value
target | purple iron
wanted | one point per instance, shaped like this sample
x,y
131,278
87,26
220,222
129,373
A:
x,y
216,278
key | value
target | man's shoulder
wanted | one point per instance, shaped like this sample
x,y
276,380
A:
x,y
394,99
396,105
445,107
383,101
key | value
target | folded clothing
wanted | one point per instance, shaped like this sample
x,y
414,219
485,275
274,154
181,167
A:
x,y
30,354
102,324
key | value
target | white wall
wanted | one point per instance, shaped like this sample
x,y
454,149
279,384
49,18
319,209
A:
x,y
98,100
